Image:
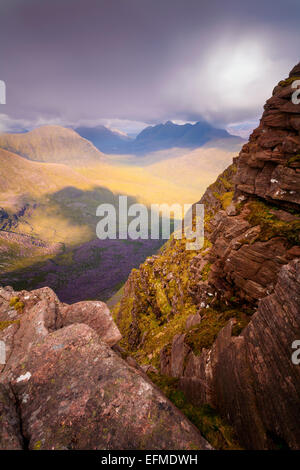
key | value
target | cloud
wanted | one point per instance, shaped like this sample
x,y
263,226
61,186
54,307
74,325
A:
x,y
230,82
135,62
242,129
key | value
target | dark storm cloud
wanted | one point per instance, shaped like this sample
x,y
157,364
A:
x,y
73,61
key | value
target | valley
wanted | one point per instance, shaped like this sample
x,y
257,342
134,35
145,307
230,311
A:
x,y
51,182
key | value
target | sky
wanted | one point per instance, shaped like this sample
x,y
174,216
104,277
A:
x,y
130,63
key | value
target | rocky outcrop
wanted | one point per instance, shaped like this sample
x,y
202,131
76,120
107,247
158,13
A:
x,y
63,387
79,392
269,164
94,314
243,287
251,378
249,250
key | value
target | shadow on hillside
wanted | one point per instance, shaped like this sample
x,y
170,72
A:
x,y
93,268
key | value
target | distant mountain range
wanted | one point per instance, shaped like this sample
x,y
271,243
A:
x,y
159,137
86,145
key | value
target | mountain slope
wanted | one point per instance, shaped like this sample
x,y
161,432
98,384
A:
x,y
187,135
52,144
19,175
222,320
104,139
48,212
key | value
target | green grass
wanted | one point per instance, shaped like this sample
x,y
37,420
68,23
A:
x,y
205,271
157,299
154,306
203,335
270,225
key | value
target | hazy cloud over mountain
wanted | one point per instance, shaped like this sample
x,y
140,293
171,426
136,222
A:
x,y
99,61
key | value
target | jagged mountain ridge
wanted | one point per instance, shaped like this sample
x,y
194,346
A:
x,y
222,321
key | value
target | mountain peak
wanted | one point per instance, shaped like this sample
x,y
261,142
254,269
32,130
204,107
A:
x,y
53,144
168,135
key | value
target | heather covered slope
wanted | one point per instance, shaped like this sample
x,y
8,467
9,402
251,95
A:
x,y
221,322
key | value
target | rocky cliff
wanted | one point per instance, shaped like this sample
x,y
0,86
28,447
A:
x,y
222,320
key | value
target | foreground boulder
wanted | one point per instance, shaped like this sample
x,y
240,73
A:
x,y
30,316
76,393
94,314
63,387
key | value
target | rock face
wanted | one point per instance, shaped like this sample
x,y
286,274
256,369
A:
x,y
242,286
63,387
251,377
269,163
